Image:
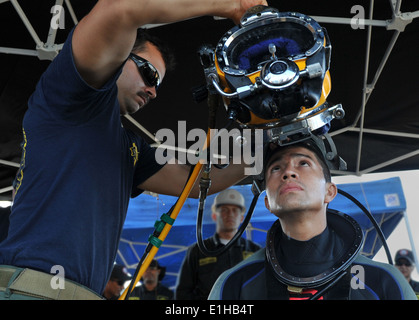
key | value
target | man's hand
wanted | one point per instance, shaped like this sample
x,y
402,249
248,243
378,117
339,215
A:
x,y
243,6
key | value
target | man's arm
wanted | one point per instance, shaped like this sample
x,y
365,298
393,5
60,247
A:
x,y
104,38
171,179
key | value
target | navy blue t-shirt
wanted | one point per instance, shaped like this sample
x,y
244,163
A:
x,y
79,168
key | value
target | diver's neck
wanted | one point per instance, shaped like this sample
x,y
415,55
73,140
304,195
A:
x,y
303,228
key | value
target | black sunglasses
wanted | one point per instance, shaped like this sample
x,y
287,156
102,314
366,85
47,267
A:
x,y
148,72
401,263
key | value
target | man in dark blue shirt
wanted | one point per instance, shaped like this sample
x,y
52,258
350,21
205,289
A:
x,y
79,165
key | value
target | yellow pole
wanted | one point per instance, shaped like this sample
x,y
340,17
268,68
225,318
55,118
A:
x,y
184,195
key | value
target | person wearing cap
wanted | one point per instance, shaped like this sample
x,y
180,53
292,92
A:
x,y
116,282
199,272
150,287
406,263
311,251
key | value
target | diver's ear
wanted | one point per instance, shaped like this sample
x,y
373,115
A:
x,y
331,192
267,204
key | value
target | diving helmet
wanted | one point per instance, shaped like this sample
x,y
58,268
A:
x,y
272,71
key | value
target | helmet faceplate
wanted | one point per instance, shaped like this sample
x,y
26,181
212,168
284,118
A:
x,y
272,70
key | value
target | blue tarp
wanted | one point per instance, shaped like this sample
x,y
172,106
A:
x,y
383,198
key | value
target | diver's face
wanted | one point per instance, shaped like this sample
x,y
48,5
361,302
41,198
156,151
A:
x,y
295,182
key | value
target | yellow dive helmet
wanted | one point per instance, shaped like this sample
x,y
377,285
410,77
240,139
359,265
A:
x,y
272,71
